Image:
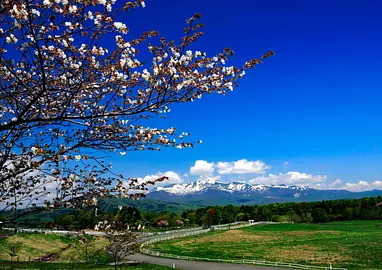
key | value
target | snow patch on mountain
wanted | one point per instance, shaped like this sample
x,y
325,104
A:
x,y
203,185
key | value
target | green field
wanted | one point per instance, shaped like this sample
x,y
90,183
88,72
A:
x,y
354,245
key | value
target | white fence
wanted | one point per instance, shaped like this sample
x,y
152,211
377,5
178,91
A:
x,y
215,227
230,224
243,261
171,232
51,231
238,225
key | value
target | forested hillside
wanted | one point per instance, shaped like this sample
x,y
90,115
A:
x,y
306,212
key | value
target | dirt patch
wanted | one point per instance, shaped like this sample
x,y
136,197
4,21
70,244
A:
x,y
232,236
51,256
308,253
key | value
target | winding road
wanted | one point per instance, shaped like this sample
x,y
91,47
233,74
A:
x,y
198,265
194,265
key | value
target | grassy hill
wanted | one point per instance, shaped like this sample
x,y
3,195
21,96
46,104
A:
x,y
35,245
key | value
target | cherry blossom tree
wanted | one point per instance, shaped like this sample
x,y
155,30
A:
x,y
67,102
122,242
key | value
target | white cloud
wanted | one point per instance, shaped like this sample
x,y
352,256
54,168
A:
x,y
204,179
377,184
173,178
313,181
202,167
335,183
51,187
362,186
242,166
290,178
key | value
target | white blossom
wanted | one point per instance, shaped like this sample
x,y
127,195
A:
x,y
120,27
145,75
47,3
90,15
11,39
34,150
73,9
36,12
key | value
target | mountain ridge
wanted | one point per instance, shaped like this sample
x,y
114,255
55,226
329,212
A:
x,y
208,192
203,185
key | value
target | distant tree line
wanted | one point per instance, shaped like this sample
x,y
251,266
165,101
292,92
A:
x,y
132,217
304,212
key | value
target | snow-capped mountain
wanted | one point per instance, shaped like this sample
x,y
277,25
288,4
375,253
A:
x,y
201,186
209,192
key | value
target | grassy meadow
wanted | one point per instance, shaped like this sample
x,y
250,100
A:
x,y
35,245
351,244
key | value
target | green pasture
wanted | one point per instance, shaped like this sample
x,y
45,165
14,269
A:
x,y
350,244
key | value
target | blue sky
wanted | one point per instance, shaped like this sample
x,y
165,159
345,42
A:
x,y
315,105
